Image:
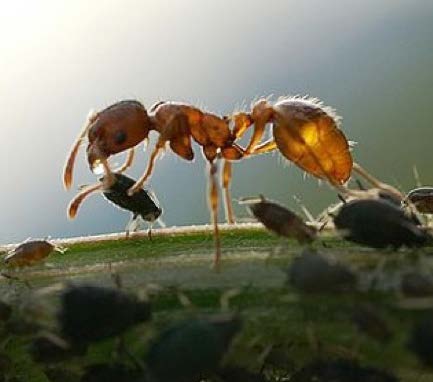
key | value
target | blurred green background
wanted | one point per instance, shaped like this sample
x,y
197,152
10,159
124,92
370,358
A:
x,y
371,60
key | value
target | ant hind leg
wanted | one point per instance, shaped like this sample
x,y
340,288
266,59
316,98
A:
x,y
213,206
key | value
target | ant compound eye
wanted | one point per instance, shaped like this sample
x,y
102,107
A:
x,y
120,137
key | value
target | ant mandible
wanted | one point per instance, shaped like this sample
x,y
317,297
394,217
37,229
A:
x,y
304,131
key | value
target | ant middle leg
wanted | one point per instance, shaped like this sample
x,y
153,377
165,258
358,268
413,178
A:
x,y
226,179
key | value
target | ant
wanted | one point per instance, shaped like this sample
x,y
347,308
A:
x,y
304,131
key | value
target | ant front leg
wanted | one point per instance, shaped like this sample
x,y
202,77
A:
x,y
213,206
128,162
76,202
70,162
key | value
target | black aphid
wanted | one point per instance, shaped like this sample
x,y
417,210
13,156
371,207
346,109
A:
x,y
370,322
192,349
421,340
422,198
116,372
281,220
46,350
140,203
91,313
237,374
5,311
340,370
417,284
378,224
311,272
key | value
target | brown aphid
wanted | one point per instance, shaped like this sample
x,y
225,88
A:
x,y
31,252
280,220
304,131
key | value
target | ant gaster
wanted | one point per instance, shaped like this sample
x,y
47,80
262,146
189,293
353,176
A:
x,y
304,132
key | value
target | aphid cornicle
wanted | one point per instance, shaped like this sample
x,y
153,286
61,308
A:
x,y
378,223
140,204
30,252
304,131
280,220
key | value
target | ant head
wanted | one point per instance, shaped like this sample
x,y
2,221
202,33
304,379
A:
x,y
116,129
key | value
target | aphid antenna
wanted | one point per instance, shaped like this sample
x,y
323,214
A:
x,y
251,199
153,197
184,300
227,296
376,182
360,185
341,197
416,176
55,339
160,223
305,210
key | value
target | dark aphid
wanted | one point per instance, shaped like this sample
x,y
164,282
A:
x,y
30,252
238,374
280,220
311,272
368,321
192,349
48,350
378,224
91,313
340,370
117,372
140,204
422,198
5,311
421,340
417,284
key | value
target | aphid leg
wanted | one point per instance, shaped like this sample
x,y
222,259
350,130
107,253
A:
x,y
16,278
69,168
213,206
227,176
132,225
149,231
75,203
376,182
128,162
139,183
59,248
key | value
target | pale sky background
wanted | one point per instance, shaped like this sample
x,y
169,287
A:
x,y
371,60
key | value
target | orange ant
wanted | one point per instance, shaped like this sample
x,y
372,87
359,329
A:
x,y
304,131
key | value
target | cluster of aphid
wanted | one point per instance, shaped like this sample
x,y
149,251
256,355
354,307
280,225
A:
x,y
194,348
